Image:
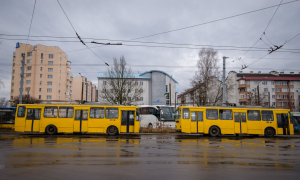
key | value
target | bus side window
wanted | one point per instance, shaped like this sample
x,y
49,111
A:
x,y
97,113
50,112
111,113
212,114
186,113
21,111
65,112
253,115
200,116
267,115
193,116
225,114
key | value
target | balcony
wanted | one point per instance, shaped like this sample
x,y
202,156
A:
x,y
243,100
242,86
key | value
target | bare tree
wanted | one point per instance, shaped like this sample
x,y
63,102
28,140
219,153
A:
x,y
4,102
207,68
121,87
26,99
253,98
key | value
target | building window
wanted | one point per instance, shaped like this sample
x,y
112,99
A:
x,y
29,54
50,76
14,58
42,55
41,61
28,67
285,89
49,97
50,62
13,77
49,90
293,103
264,82
28,74
248,82
129,90
50,69
266,89
50,56
242,81
248,90
104,82
13,64
13,71
277,89
272,82
136,91
292,83
27,89
292,96
40,82
255,82
141,83
273,89
41,75
292,89
49,83
28,81
12,91
166,88
141,98
136,99
29,61
273,96
40,89
40,97
12,84
11,97
41,68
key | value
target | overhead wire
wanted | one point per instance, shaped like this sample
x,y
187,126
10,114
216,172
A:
x,y
78,35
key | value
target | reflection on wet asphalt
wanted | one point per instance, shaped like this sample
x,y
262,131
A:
x,y
160,156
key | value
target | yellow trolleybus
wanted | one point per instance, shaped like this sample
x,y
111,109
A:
x,y
230,120
52,119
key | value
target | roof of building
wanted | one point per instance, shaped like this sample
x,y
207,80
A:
x,y
135,75
270,78
160,72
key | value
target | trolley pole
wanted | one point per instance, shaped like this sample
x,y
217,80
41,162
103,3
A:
x,y
224,86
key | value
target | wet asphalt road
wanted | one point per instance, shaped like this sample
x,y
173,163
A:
x,y
148,156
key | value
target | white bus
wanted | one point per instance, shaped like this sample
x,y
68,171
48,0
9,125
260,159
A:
x,y
157,115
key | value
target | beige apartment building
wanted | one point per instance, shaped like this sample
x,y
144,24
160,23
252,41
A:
x,y
47,73
84,89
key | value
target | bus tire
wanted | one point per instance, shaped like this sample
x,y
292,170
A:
x,y
214,131
51,130
112,130
269,132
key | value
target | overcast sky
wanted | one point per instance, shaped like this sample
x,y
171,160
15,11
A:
x,y
127,20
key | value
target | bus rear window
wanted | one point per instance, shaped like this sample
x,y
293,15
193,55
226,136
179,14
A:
x,y
21,111
253,115
212,114
111,113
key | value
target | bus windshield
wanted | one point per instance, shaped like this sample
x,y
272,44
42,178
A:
x,y
167,113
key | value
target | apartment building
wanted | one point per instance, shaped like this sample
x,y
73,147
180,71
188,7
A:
x,y
47,73
273,89
155,85
84,89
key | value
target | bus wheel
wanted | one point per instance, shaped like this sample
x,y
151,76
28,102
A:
x,y
51,130
269,132
214,131
112,130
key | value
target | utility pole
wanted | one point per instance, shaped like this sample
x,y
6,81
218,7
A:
x,y
258,94
22,78
224,86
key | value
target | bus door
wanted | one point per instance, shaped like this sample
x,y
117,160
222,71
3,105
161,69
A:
x,y
81,120
127,122
33,120
197,122
283,126
240,123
